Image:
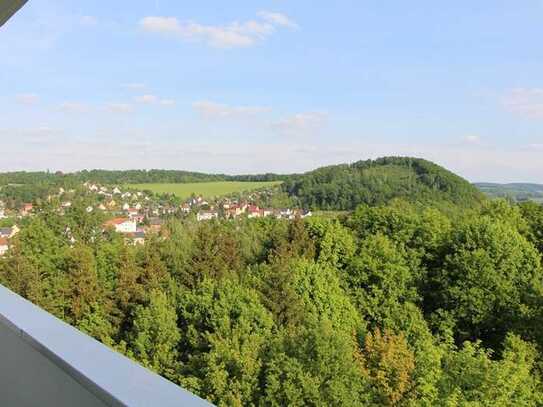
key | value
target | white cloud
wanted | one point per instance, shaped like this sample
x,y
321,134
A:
x,y
218,110
161,25
146,99
231,35
74,107
277,19
472,139
27,98
301,123
153,99
88,21
119,107
526,102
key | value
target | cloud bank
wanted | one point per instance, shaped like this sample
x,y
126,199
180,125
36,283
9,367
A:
x,y
210,109
231,35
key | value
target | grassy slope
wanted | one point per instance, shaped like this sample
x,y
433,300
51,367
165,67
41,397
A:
x,y
206,189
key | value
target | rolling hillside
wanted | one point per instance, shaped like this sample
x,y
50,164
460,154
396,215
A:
x,y
337,187
374,182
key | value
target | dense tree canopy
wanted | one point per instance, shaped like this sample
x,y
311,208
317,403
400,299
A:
x,y
378,181
398,304
337,187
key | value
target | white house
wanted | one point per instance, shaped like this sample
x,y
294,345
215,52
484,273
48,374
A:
x,y
2,213
126,207
14,230
285,213
123,225
116,190
4,246
132,212
206,215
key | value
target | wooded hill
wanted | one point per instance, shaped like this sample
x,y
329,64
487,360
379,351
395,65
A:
x,y
374,182
337,187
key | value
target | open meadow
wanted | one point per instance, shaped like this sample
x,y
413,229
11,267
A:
x,y
205,189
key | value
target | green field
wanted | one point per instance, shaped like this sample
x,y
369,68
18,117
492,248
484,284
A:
x,y
205,189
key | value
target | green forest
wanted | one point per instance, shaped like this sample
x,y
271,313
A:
x,y
338,187
398,304
375,182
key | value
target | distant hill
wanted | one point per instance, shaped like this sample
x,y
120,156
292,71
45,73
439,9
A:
x,y
343,187
120,177
337,187
515,191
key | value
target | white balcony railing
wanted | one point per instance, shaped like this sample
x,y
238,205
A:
x,y
46,362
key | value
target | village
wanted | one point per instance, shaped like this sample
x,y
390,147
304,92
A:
x,y
137,214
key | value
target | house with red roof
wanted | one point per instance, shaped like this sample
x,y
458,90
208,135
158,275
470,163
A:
x,y
253,211
4,245
122,225
26,209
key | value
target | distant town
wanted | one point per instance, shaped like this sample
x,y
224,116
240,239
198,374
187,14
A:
x,y
136,214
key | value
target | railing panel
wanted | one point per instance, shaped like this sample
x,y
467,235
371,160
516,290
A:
x,y
46,362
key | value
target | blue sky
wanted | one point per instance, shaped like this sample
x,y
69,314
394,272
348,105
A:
x,y
255,86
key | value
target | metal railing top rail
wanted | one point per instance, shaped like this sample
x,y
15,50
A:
x,y
109,376
8,8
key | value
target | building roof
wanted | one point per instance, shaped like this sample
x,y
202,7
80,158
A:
x,y
4,241
5,231
116,221
253,208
